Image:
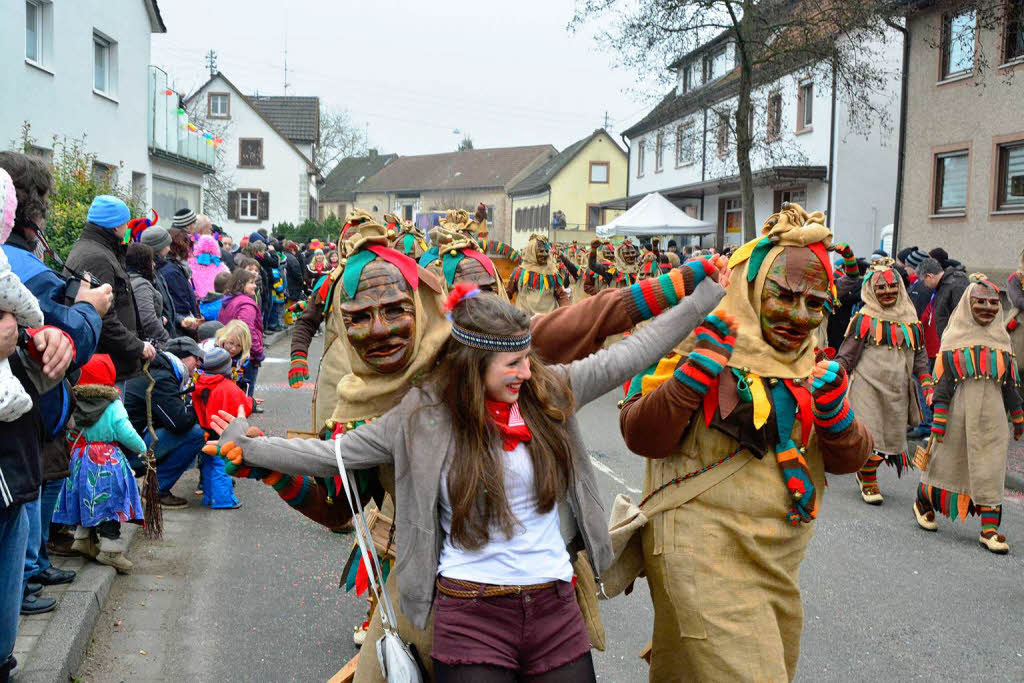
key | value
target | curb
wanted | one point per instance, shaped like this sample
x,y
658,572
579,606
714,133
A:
x,y
275,337
61,647
1014,482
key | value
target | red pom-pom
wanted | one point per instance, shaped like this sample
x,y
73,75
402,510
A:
x,y
462,290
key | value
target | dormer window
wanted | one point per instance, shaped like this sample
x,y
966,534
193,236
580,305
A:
x,y
692,76
717,63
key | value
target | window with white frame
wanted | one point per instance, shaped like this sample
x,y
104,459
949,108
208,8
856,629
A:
x,y
805,105
39,32
659,151
248,205
723,133
958,32
599,172
774,117
218,105
33,31
691,76
640,158
951,182
684,144
104,65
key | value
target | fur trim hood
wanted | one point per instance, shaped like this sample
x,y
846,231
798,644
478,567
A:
x,y
90,402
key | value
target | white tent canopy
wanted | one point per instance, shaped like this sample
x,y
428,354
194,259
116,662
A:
x,y
655,215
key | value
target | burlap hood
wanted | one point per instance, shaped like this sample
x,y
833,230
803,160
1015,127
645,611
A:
x,y
902,311
791,227
452,248
620,262
365,393
530,257
962,330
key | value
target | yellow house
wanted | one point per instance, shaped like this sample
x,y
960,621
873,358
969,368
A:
x,y
561,198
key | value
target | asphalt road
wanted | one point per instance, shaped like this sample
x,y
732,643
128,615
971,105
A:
x,y
253,594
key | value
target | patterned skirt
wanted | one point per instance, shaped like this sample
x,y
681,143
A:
x,y
101,487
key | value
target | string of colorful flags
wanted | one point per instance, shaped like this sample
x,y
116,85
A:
x,y
210,139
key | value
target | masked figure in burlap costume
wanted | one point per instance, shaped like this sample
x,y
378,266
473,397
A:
x,y
883,352
736,471
372,387
536,283
404,237
605,267
977,387
459,259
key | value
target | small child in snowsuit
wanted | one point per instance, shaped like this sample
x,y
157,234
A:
x,y
214,392
14,298
100,492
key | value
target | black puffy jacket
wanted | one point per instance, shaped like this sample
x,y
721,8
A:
x,y
172,410
21,454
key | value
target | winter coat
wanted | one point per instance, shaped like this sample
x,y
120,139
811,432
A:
x,y
294,276
947,295
214,393
151,307
243,307
104,420
228,259
170,410
101,253
165,295
206,264
183,299
210,305
920,295
20,474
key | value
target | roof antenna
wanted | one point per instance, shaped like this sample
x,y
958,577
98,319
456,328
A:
x,y
211,62
286,52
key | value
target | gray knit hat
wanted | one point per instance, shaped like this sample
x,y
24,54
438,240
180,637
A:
x,y
183,218
183,347
155,237
914,258
217,362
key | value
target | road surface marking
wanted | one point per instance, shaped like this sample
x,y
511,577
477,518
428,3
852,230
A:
x,y
612,475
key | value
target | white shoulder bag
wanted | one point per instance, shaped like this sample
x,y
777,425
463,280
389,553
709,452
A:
x,y
397,662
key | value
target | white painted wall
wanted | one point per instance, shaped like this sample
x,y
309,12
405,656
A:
x,y
59,99
864,176
285,173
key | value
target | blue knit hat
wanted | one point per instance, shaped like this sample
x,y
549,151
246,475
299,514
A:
x,y
108,212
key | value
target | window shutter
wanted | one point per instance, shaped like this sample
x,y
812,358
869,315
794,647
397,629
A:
x,y
264,206
232,204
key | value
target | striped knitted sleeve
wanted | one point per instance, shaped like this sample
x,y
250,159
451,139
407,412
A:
x,y
654,296
939,413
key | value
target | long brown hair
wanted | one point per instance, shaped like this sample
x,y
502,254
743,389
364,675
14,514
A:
x,y
476,480
239,279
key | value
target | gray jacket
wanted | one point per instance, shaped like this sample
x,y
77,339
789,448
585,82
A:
x,y
416,437
151,309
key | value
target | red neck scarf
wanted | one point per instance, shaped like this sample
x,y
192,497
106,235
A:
x,y
509,422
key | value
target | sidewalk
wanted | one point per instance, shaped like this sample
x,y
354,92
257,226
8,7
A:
x,y
50,647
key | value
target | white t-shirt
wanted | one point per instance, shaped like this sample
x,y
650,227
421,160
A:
x,y
534,554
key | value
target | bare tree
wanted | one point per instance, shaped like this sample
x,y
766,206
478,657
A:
x,y
339,138
833,39
216,185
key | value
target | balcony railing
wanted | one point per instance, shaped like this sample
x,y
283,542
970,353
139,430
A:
x,y
168,129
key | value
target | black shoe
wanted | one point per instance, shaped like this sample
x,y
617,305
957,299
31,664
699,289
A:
x,y
31,587
52,576
33,604
6,667
257,407
169,500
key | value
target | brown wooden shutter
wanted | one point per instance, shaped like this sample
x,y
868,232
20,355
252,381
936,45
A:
x,y
264,206
233,204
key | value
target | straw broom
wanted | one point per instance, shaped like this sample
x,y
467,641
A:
x,y
153,516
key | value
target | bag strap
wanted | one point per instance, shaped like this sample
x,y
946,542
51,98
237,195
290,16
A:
x,y
362,532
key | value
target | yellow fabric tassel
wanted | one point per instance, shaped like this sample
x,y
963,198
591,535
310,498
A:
x,y
666,366
762,408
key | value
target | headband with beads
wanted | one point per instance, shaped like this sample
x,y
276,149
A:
x,y
479,340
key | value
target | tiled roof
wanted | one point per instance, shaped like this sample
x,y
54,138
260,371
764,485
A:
x,y
298,118
345,178
474,168
543,174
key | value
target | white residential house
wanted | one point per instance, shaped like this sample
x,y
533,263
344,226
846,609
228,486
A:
x,y
268,142
80,69
685,149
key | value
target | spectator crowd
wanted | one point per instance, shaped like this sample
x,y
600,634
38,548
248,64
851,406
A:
x,y
129,344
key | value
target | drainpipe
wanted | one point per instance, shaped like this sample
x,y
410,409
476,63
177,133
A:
x,y
902,139
832,148
703,169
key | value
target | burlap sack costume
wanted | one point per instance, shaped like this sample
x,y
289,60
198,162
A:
x,y
581,259
365,394
722,560
536,284
405,237
449,251
629,271
977,375
882,390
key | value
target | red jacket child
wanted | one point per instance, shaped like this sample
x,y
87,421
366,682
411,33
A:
x,y
215,391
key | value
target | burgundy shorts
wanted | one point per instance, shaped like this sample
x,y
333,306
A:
x,y
533,632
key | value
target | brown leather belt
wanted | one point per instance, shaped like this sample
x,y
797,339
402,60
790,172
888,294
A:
x,y
486,590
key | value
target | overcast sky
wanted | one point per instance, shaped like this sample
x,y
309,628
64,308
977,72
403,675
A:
x,y
506,73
